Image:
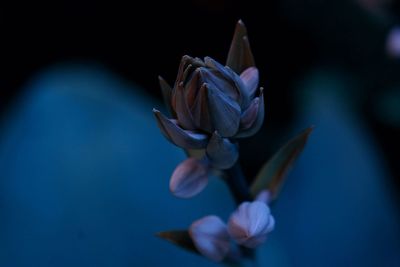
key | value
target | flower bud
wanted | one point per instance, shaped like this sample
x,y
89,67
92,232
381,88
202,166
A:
x,y
189,178
208,97
393,42
210,237
250,224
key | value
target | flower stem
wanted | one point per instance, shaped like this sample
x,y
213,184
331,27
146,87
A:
x,y
237,183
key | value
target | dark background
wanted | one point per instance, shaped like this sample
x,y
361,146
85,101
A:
x,y
84,170
142,40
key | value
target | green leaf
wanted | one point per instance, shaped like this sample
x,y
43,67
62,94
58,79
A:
x,y
273,172
180,238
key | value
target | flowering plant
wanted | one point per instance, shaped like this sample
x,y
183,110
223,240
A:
x,y
212,107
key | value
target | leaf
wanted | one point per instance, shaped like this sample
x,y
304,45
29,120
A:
x,y
272,174
180,238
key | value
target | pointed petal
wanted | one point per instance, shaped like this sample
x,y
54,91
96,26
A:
x,y
250,78
225,113
221,152
182,67
210,237
249,116
189,178
240,56
178,136
166,91
182,110
240,90
217,80
255,127
192,88
211,63
201,114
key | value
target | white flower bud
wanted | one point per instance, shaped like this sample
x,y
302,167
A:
x,y
250,224
210,237
189,178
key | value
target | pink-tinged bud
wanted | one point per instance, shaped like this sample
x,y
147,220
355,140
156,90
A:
x,y
189,178
250,224
393,43
211,238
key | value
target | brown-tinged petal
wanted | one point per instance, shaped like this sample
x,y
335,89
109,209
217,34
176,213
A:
x,y
182,67
210,237
166,91
182,109
224,112
240,56
249,116
250,78
200,111
221,152
192,88
178,136
255,127
189,178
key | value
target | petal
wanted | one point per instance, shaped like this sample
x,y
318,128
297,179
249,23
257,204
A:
x,y
258,215
200,111
250,78
240,56
255,127
192,88
166,91
211,63
225,113
240,90
215,78
182,110
185,61
189,178
210,237
249,116
178,136
250,223
221,152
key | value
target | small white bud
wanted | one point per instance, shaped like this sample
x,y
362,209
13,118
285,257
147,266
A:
x,y
210,237
250,224
189,178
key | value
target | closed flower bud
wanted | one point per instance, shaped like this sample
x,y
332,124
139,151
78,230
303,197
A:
x,y
212,103
210,237
250,224
189,178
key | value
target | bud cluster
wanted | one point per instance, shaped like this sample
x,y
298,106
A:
x,y
211,107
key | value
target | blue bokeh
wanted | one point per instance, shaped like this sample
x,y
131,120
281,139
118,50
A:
x,y
85,170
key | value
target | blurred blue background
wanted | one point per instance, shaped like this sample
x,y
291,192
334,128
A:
x,y
84,170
